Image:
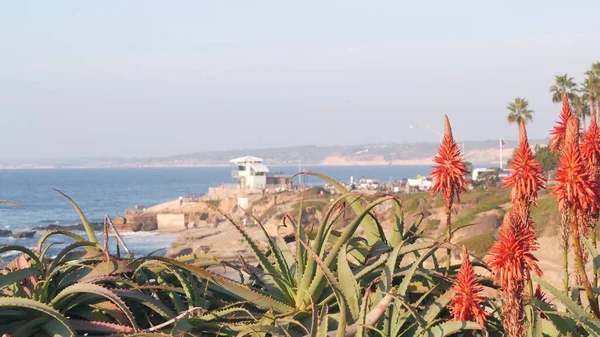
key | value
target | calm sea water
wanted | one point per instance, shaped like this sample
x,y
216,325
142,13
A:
x,y
111,191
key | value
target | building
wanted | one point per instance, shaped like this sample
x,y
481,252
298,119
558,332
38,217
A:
x,y
251,173
476,174
252,176
419,184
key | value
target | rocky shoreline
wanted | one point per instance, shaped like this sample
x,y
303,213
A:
x,y
223,242
16,235
97,226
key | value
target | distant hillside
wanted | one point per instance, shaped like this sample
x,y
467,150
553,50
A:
x,y
366,154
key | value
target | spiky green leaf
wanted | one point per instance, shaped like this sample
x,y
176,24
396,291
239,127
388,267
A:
x,y
17,275
559,295
316,283
28,252
349,286
86,224
62,328
370,226
256,297
451,327
275,280
63,298
337,290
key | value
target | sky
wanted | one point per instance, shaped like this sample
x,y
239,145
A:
x,y
154,78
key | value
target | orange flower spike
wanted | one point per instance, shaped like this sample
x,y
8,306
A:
x,y
590,145
526,177
559,130
449,172
511,257
467,303
511,261
577,187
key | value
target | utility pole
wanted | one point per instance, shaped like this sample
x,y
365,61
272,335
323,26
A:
x,y
501,161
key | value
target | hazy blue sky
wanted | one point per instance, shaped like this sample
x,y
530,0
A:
x,y
139,78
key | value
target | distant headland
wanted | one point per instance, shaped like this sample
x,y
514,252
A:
x,y
311,155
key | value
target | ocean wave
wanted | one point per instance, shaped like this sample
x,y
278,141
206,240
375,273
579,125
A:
x,y
34,238
11,253
49,221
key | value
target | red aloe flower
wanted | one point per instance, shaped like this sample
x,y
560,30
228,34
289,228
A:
x,y
468,300
590,153
449,173
590,145
577,187
511,261
577,194
511,257
558,133
527,176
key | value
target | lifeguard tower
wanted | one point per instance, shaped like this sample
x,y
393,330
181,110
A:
x,y
251,173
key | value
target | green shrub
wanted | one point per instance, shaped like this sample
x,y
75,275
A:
x,y
480,244
214,203
484,201
324,282
545,214
431,224
547,159
411,202
319,205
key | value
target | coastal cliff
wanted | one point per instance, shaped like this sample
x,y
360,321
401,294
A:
x,y
339,155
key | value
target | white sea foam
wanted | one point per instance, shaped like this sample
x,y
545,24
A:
x,y
11,253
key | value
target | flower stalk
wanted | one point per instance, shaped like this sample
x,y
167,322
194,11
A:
x,y
449,180
590,152
577,195
511,262
556,143
467,303
527,176
526,179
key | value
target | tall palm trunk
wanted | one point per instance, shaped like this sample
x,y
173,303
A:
x,y
583,120
593,109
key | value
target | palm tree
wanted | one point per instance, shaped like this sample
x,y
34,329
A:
x,y
519,111
589,92
592,87
562,84
596,68
580,108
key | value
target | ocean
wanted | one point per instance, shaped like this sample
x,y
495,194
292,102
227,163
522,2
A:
x,y
111,191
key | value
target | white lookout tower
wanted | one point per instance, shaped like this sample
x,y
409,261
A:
x,y
251,173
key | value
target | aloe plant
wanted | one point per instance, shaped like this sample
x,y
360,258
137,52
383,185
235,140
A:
x,y
329,283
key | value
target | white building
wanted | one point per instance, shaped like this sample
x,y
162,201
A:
x,y
476,173
421,183
251,173
368,184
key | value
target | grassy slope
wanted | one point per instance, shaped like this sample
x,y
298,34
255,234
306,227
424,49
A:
x,y
481,201
319,205
476,202
479,245
545,214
